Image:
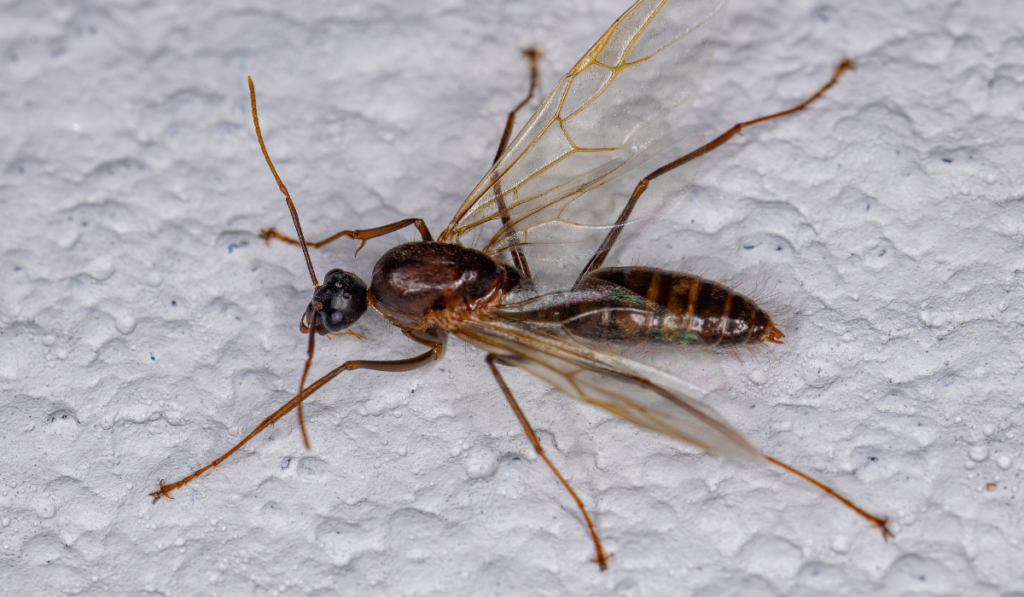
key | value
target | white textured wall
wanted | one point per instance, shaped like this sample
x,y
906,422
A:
x,y
144,327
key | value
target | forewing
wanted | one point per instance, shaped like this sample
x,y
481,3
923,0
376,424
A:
x,y
638,393
616,110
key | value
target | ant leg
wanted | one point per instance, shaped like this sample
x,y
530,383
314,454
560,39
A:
x,y
434,340
532,54
518,258
602,252
361,235
602,560
882,522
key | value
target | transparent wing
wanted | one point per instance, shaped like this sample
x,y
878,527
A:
x,y
616,110
638,393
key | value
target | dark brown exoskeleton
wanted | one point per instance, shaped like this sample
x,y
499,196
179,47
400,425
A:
x,y
433,288
416,280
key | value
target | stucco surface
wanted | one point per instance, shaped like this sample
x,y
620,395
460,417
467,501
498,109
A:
x,y
144,327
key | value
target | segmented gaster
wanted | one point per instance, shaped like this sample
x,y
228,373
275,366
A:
x,y
710,313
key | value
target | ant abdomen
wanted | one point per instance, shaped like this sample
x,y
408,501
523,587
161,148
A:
x,y
668,307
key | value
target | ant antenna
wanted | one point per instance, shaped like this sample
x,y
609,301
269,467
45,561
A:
x,y
305,253
280,185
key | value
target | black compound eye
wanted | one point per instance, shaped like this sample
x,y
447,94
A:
x,y
342,297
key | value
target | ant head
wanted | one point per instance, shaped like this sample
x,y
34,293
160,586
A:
x,y
337,303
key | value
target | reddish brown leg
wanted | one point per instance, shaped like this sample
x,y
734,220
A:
x,y
532,54
361,235
602,252
518,258
429,338
882,522
346,333
602,559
